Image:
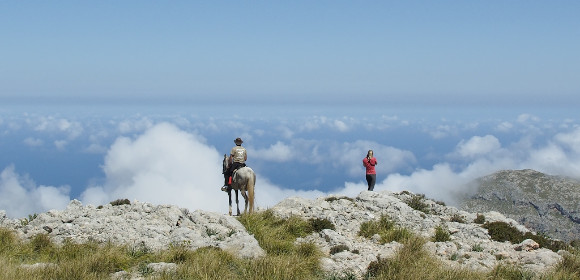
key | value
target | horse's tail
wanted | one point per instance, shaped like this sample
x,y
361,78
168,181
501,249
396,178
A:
x,y
250,188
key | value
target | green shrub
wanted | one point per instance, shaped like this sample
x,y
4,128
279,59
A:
x,y
320,224
120,202
441,234
335,198
480,219
417,202
338,249
458,219
501,232
375,268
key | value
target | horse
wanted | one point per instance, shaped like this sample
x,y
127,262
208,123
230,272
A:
x,y
243,180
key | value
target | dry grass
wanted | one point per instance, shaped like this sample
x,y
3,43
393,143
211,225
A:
x,y
284,259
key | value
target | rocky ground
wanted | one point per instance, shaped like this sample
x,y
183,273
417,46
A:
x,y
158,226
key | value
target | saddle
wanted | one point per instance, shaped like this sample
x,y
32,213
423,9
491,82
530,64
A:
x,y
233,173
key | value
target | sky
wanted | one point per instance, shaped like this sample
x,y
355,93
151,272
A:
x,y
141,99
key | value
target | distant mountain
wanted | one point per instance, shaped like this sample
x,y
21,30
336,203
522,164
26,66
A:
x,y
543,203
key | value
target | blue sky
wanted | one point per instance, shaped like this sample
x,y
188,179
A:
x,y
140,99
303,52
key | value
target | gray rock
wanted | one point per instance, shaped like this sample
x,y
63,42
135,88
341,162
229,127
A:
x,y
144,226
347,214
154,227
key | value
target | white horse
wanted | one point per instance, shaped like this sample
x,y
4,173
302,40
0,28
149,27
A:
x,y
243,180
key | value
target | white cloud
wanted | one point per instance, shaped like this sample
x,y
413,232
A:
x,y
524,118
163,165
286,132
318,122
570,140
441,131
60,144
131,126
21,197
269,194
340,126
50,124
477,146
278,152
166,165
33,142
559,156
95,148
504,126
437,183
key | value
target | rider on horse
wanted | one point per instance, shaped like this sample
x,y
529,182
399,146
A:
x,y
237,159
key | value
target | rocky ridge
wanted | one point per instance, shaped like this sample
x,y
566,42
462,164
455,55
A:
x,y
541,202
158,226
142,225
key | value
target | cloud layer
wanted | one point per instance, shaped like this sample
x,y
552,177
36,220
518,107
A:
x,y
176,159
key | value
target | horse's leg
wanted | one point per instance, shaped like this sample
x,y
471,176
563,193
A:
x,y
237,203
230,197
250,187
245,195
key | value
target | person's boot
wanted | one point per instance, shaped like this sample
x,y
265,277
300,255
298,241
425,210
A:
x,y
225,187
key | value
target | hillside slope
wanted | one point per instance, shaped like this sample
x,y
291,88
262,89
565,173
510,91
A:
x,y
543,203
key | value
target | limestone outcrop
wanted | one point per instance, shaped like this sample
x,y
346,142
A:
x,y
158,226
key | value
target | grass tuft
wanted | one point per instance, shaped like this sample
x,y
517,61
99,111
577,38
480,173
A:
x,y
417,202
386,229
441,234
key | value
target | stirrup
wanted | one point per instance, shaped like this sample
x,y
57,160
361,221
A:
x,y
225,188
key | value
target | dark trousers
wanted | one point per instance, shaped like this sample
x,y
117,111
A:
x,y
371,180
230,171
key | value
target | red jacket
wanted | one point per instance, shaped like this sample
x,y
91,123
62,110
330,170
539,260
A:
x,y
370,165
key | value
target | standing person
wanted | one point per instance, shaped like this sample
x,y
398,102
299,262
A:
x,y
237,159
369,163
